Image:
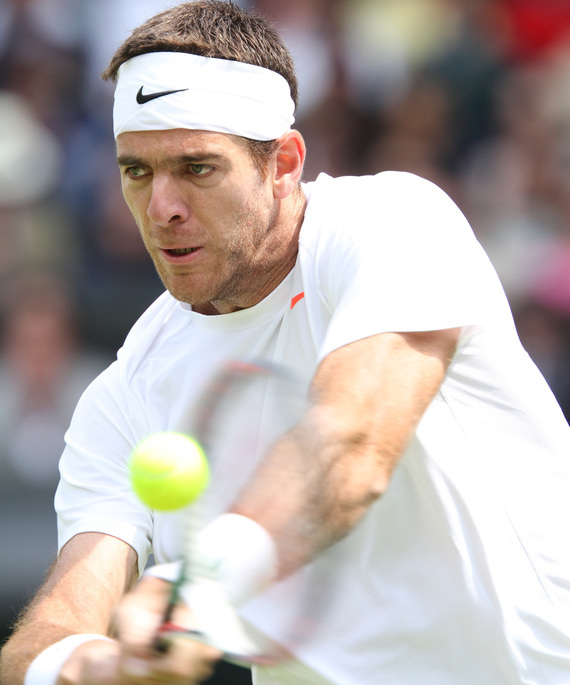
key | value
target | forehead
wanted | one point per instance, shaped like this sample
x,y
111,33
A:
x,y
159,145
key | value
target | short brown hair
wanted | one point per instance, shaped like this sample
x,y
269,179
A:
x,y
213,28
210,28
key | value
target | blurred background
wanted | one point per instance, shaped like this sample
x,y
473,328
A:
x,y
472,94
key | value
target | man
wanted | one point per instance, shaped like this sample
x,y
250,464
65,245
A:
x,y
411,527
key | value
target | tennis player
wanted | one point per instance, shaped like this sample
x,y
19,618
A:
x,y
412,527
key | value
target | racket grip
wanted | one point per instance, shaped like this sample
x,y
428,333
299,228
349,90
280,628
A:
x,y
161,644
168,631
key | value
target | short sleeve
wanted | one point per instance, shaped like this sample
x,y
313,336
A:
x,y
94,493
400,257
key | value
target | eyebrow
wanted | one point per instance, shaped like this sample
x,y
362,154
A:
x,y
131,160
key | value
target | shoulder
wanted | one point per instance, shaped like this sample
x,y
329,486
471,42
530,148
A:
x,y
388,207
160,315
389,196
114,397
131,356
388,183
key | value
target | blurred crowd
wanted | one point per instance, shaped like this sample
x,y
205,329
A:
x,y
472,94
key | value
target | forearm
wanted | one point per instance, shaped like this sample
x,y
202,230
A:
x,y
56,645
43,624
307,504
78,597
22,648
323,476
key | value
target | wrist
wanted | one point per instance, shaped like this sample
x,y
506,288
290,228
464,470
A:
x,y
239,554
45,668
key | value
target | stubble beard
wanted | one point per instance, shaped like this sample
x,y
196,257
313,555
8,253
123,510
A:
x,y
251,254
248,260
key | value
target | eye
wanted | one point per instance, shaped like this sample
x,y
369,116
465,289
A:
x,y
200,169
135,171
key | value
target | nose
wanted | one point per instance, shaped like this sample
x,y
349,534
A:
x,y
166,206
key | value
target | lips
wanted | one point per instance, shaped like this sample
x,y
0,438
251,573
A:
x,y
180,255
181,251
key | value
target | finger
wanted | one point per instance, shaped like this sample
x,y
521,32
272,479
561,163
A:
x,y
138,620
102,670
184,656
93,663
181,623
188,660
139,616
186,664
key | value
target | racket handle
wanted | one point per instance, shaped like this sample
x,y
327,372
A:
x,y
161,644
168,631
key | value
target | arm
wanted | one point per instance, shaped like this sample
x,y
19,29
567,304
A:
x,y
366,401
85,593
83,588
320,479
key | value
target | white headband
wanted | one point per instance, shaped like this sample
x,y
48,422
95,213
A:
x,y
166,90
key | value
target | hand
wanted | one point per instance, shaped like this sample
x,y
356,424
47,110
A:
x,y
132,660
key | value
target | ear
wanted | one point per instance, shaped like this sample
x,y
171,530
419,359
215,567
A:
x,y
289,160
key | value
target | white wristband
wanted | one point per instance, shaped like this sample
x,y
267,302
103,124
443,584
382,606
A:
x,y
238,553
45,668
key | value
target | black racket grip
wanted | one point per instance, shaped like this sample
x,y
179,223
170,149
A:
x,y
168,631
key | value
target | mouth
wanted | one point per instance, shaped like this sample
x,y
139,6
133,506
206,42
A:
x,y
181,251
180,255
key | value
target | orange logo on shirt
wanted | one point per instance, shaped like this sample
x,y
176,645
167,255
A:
x,y
296,299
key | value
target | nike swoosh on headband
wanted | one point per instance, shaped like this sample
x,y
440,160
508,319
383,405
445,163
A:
x,y
141,99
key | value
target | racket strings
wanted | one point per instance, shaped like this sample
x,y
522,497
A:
x,y
246,408
235,389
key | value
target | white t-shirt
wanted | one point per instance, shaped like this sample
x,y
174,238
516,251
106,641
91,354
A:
x,y
460,573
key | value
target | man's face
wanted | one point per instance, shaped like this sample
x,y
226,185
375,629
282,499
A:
x,y
204,212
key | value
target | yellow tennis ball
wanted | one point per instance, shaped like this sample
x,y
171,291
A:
x,y
168,471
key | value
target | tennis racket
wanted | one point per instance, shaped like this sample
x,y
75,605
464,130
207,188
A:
x,y
245,408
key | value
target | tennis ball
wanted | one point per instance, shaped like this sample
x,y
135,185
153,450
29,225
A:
x,y
168,471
